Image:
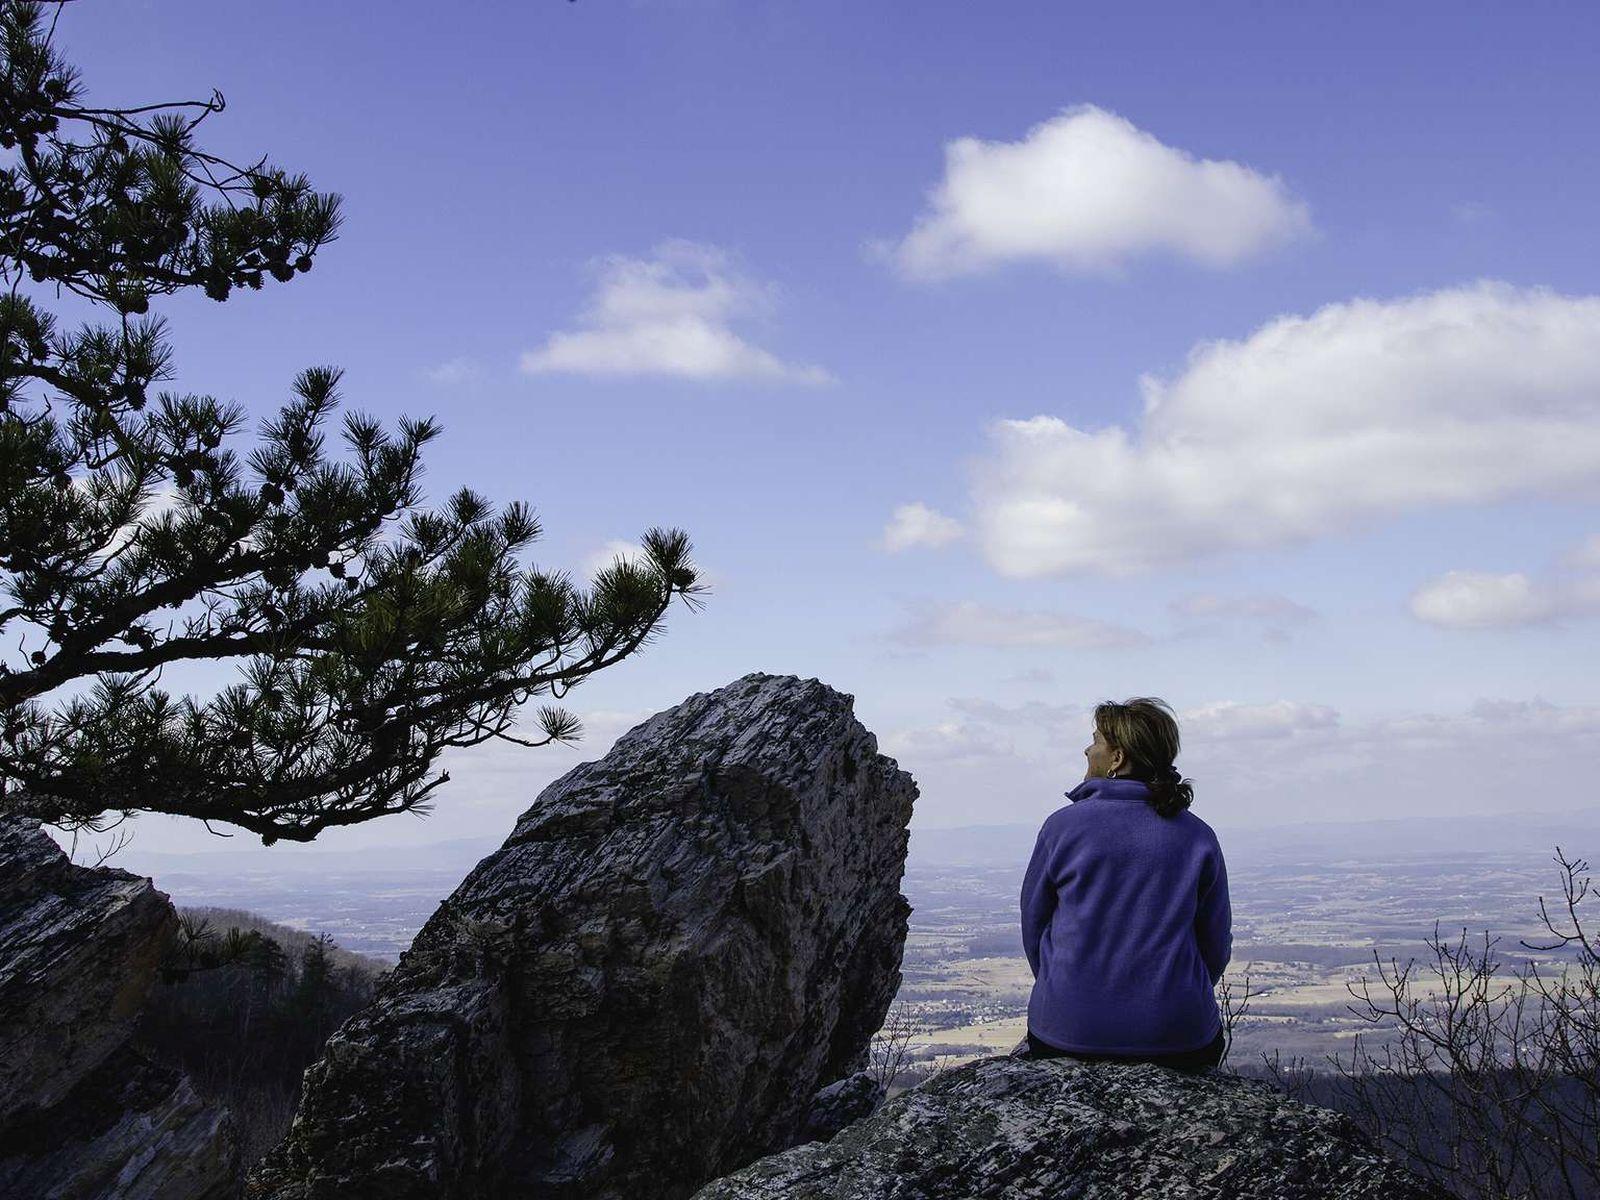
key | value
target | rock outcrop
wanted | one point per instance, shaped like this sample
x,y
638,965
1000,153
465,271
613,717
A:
x,y
642,990
1023,1129
841,1103
130,1130
81,1114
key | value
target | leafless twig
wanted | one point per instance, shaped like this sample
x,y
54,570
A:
x,y
889,1047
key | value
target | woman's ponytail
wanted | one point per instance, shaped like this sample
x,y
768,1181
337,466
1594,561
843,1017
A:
x,y
1170,792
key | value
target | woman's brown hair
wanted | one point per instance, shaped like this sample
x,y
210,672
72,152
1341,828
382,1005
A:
x,y
1146,732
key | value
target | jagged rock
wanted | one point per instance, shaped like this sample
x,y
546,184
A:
x,y
1026,1129
841,1102
80,951
645,986
80,1114
130,1130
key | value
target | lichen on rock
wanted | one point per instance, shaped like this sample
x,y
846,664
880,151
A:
x,y
1027,1129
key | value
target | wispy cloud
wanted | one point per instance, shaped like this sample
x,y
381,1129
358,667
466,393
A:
x,y
971,624
1219,720
671,314
1271,762
1088,191
949,743
918,525
1270,614
1229,720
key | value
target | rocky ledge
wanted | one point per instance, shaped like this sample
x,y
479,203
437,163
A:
x,y
82,1116
1019,1129
642,990
130,1130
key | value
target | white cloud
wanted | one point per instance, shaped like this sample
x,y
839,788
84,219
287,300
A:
x,y
1220,720
670,314
1029,714
1309,426
948,743
1228,720
918,525
1475,600
1480,759
971,624
1480,600
1087,190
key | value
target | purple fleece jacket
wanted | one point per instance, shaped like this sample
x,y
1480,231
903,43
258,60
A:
x,y
1126,924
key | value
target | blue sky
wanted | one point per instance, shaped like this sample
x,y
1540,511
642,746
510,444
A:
x,y
746,177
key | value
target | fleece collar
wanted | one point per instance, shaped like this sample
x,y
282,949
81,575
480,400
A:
x,y
1110,789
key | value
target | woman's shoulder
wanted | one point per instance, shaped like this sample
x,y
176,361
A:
x,y
1080,815
1197,825
1062,816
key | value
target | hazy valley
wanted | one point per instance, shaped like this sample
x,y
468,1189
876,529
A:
x,y
1312,904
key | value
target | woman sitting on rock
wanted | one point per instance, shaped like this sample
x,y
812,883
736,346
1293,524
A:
x,y
1125,914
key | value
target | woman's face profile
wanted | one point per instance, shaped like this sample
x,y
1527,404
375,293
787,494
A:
x,y
1102,758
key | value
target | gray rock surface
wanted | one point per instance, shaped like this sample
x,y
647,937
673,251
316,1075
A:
x,y
841,1103
130,1130
644,987
81,1115
1023,1129
78,952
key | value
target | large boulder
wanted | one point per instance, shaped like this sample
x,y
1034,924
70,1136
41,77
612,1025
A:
x,y
642,990
81,1114
1026,1129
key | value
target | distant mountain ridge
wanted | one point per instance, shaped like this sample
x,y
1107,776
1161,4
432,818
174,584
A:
x,y
1577,831
458,855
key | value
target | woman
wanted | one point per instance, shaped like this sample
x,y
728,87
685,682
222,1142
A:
x,y
1125,914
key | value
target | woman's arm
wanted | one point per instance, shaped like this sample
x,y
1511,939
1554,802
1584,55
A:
x,y
1038,898
1213,922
